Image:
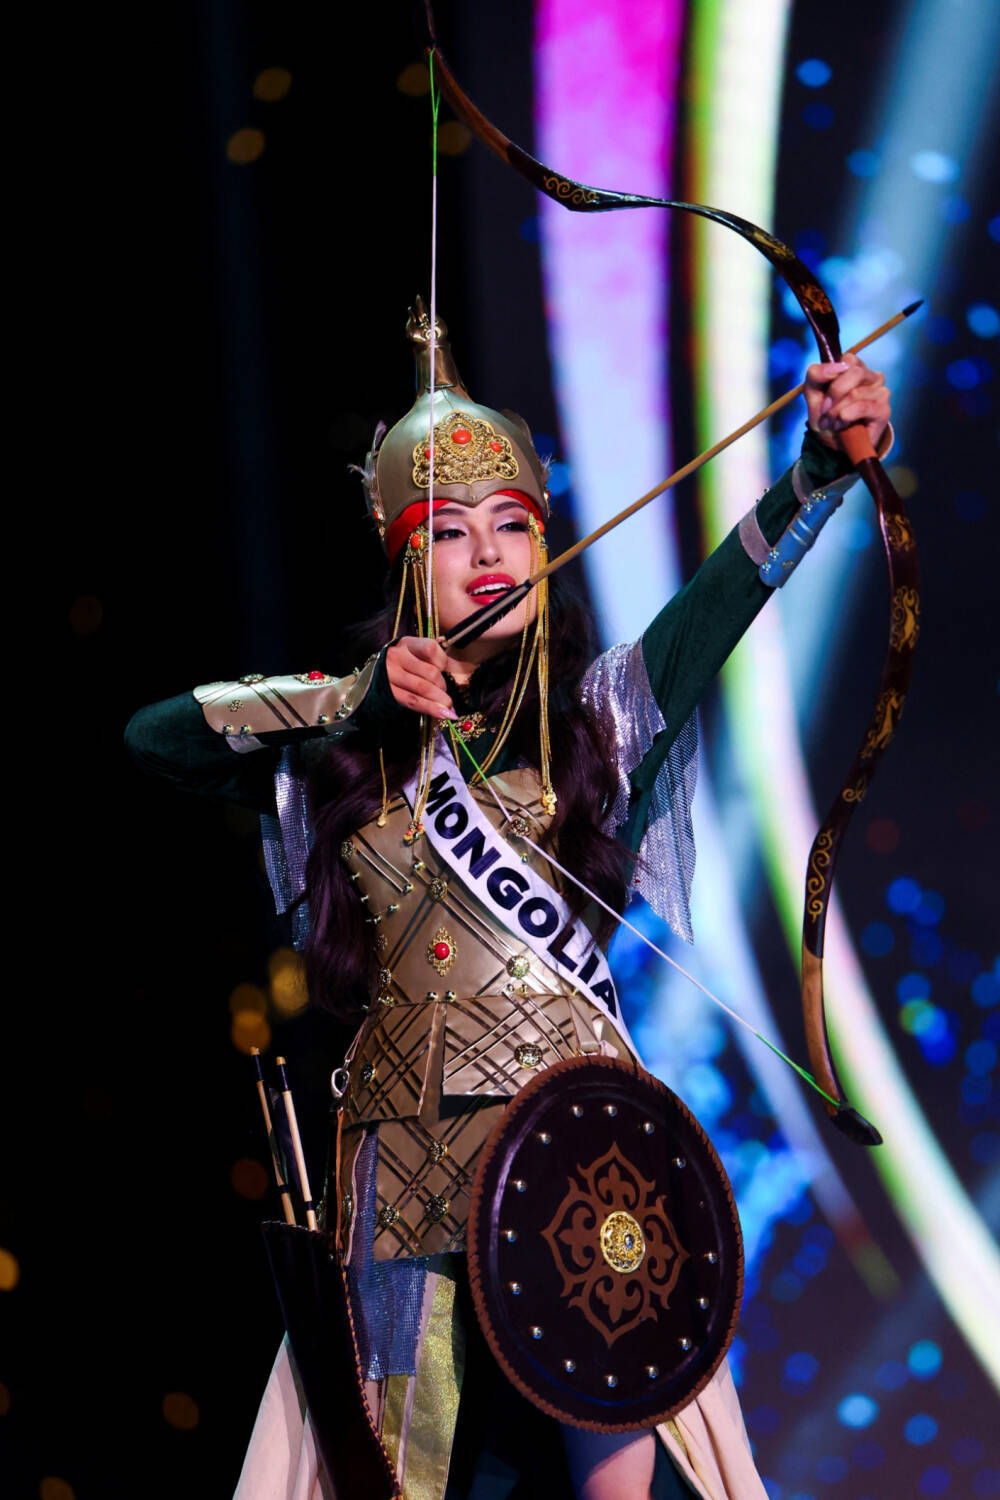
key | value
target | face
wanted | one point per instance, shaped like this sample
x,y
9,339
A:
x,y
479,551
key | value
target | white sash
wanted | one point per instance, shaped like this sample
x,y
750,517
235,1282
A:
x,y
519,899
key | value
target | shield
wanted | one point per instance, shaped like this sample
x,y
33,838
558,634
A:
x,y
605,1254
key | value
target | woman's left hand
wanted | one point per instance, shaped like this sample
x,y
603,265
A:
x,y
845,393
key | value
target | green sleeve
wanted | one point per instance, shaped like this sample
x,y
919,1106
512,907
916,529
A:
x,y
688,642
171,739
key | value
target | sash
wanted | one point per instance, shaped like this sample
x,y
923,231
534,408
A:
x,y
521,901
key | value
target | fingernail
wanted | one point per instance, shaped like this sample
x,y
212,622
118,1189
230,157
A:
x,y
826,403
823,422
841,364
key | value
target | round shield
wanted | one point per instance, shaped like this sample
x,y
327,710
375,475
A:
x,y
605,1254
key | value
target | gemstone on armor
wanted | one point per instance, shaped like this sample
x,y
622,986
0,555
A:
x,y
441,951
518,966
387,1215
437,1208
528,1054
368,1074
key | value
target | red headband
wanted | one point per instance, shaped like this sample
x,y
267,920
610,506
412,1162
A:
x,y
416,514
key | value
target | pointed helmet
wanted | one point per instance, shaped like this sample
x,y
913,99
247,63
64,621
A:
x,y
477,451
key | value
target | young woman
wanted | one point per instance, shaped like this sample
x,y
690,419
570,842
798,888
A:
x,y
384,794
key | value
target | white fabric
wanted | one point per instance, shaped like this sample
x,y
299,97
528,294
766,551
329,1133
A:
x,y
282,1462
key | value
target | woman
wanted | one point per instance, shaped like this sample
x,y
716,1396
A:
x,y
446,963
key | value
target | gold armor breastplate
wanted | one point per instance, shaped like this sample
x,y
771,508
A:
x,y
464,1015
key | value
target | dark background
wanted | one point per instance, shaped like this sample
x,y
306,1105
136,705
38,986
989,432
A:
x,y
227,337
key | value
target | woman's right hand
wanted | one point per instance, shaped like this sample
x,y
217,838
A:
x,y
415,667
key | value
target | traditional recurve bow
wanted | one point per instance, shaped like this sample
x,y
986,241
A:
x,y
897,535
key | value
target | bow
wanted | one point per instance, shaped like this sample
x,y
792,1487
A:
x,y
897,536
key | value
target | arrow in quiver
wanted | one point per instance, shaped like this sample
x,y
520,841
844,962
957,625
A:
x,y
605,1254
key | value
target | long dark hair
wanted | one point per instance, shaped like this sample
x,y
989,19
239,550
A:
x,y
346,792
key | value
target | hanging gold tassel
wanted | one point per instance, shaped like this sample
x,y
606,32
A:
x,y
548,796
384,814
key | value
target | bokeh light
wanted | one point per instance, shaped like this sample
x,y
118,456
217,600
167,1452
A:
x,y
920,1429
904,480
903,895
814,72
453,138
983,320
4,1400
247,997
250,1029
54,1488
245,146
272,84
801,1368
857,1410
287,973
863,163
180,1411
933,166
249,1179
10,1271
924,1359
414,80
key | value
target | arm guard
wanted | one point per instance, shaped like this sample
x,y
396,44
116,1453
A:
x,y
256,705
778,563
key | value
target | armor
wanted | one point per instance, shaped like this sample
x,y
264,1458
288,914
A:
x,y
464,1016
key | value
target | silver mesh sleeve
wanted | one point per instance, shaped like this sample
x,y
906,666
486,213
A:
x,y
616,687
287,841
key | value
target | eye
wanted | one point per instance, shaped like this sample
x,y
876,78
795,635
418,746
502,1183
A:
x,y
446,533
514,526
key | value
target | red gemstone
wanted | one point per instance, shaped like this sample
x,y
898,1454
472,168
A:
x,y
315,676
442,950
416,541
466,725
461,435
496,447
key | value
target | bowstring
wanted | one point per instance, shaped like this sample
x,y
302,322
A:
x,y
435,106
619,917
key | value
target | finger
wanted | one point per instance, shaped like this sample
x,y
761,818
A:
x,y
415,666
421,704
418,687
860,411
876,396
428,650
857,378
818,376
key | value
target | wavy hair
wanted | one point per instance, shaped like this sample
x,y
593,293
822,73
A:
x,y
346,793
